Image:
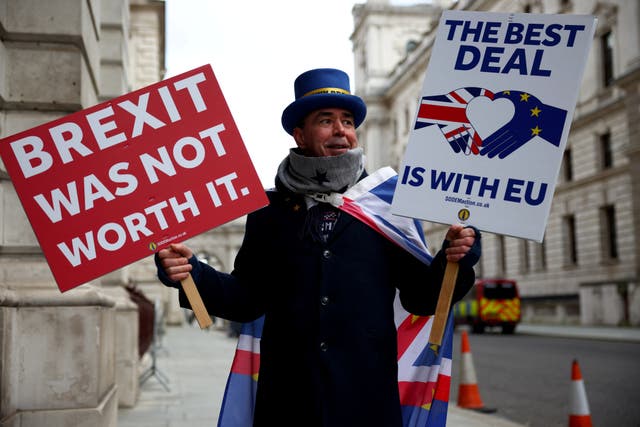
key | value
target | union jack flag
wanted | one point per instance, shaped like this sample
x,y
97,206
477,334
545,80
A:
x,y
449,113
240,392
370,202
424,371
424,375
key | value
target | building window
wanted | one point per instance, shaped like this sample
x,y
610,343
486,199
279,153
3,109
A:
x,y
394,125
567,166
569,234
608,226
479,268
539,256
524,260
502,256
203,256
207,258
606,156
542,256
606,45
411,46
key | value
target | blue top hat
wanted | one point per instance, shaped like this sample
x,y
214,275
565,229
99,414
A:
x,y
322,88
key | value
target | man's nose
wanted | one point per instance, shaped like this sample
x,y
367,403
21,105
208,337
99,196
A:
x,y
338,128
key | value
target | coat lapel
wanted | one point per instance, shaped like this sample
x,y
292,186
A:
x,y
344,221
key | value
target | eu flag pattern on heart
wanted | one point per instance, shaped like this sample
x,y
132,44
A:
x,y
424,376
531,119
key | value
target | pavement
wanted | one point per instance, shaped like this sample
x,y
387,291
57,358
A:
x,y
184,383
610,333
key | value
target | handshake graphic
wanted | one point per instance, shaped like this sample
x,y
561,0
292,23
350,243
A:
x,y
478,121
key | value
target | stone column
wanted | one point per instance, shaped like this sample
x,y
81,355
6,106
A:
x,y
127,357
57,351
57,366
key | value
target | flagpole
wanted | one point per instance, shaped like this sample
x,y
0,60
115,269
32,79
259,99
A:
x,y
444,303
190,289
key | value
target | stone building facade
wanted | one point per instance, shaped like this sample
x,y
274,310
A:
x,y
586,269
67,359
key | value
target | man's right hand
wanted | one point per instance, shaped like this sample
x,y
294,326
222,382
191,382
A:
x,y
175,261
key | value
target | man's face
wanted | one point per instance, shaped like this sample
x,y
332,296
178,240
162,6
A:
x,y
326,132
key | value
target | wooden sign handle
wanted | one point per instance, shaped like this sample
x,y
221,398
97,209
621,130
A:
x,y
444,302
189,287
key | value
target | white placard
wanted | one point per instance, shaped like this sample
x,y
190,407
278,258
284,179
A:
x,y
493,120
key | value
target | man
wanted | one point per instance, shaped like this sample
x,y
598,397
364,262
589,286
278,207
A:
x,y
324,281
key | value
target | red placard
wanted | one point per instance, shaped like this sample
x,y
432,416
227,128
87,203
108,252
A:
x,y
111,184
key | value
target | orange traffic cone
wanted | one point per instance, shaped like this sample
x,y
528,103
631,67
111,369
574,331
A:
x,y
468,391
579,415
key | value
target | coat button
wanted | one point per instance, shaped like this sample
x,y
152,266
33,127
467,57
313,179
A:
x,y
324,346
326,254
324,300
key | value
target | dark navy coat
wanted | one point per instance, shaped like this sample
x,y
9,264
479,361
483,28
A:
x,y
328,348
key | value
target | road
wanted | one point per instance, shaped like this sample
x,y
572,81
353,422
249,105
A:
x,y
527,378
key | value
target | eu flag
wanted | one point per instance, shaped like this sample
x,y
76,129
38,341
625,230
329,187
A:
x,y
531,118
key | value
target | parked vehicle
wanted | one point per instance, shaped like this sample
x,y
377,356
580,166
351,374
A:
x,y
490,303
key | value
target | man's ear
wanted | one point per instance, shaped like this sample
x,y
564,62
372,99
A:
x,y
298,136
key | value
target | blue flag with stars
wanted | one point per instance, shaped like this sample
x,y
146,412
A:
x,y
532,118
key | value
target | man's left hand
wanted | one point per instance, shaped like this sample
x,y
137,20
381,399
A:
x,y
460,240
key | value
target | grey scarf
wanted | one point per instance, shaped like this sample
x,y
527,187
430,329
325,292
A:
x,y
308,175
317,177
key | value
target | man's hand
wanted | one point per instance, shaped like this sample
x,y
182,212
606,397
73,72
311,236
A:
x,y
460,241
175,261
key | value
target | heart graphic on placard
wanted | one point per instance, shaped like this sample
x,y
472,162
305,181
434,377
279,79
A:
x,y
487,115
